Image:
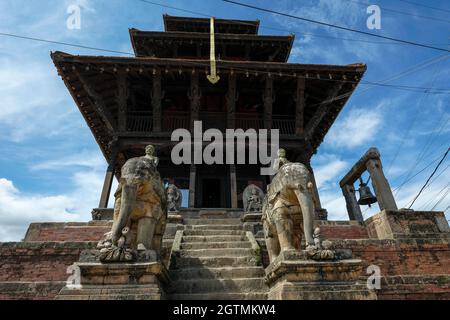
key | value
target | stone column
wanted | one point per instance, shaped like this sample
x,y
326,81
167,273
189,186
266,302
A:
x,y
233,186
353,209
231,98
192,177
194,96
299,106
268,101
156,101
380,185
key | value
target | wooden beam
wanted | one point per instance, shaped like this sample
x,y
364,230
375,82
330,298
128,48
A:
x,y
109,176
192,184
300,106
233,186
98,102
121,99
231,98
268,98
156,96
194,96
321,111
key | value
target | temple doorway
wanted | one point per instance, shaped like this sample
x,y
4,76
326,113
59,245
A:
x,y
213,187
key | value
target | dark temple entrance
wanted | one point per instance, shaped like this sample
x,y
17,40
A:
x,y
211,193
213,183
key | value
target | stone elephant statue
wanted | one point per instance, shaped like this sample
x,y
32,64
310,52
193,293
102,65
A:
x,y
288,207
140,204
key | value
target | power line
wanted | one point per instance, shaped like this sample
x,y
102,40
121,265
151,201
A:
x,y
442,198
262,26
400,12
399,87
415,175
423,207
63,43
425,6
428,180
336,26
416,115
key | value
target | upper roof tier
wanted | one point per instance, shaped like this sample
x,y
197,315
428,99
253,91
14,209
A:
x,y
196,45
189,24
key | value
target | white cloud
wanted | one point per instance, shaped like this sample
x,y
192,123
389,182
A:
x,y
85,158
328,169
360,126
18,209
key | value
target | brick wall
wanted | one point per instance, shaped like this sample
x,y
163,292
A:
x,y
342,230
46,261
403,256
70,231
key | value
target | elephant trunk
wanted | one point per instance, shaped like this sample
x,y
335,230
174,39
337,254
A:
x,y
306,202
127,201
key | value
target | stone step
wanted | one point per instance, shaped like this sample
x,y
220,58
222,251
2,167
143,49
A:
x,y
111,292
221,238
213,227
221,273
220,252
213,233
219,285
220,296
189,262
213,221
212,245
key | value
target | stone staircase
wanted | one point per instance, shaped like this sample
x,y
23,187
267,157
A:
x,y
216,260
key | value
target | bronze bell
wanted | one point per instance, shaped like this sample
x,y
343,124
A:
x,y
365,195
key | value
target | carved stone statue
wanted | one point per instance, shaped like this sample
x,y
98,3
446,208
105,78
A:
x,y
252,198
140,210
288,204
281,160
174,198
320,250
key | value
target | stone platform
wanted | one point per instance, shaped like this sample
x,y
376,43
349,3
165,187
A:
x,y
292,277
116,281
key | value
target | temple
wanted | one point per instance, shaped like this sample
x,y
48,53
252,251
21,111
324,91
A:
x,y
131,102
228,240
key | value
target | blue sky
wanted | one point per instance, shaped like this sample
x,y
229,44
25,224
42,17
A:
x,y
51,169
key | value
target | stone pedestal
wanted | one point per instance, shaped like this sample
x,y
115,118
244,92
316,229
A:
x,y
116,281
399,224
292,277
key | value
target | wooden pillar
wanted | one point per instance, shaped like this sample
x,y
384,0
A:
x,y
192,177
299,106
233,186
268,102
122,98
231,98
109,176
194,96
380,185
156,101
316,196
353,209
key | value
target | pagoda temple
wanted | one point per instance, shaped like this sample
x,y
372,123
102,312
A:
x,y
220,245
131,102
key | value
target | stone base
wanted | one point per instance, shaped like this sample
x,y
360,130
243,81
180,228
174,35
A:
x,y
117,281
291,277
